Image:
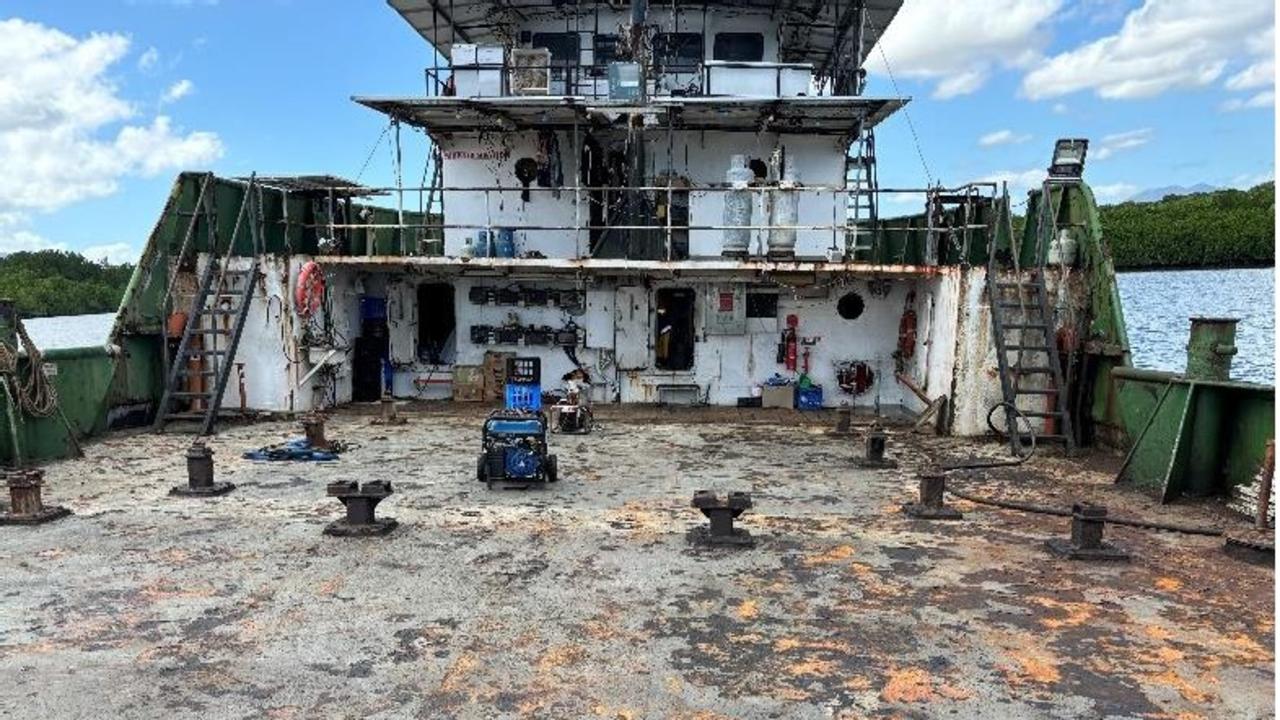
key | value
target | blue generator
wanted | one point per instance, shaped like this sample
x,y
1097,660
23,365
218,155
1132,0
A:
x,y
514,449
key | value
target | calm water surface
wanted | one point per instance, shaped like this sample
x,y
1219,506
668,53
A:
x,y
1157,306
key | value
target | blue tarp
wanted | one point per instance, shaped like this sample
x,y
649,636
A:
x,y
293,450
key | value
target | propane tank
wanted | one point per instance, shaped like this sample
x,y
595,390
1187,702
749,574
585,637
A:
x,y
785,214
737,208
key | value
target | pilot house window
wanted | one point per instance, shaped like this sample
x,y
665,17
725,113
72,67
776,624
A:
x,y
677,52
738,47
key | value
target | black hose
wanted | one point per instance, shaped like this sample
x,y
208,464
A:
x,y
1057,512
1017,460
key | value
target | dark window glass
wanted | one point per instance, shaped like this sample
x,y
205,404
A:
x,y
605,50
738,47
563,46
678,52
762,305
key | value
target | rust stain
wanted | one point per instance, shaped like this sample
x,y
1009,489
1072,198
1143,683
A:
x,y
1187,690
908,685
1076,613
1169,584
747,610
833,556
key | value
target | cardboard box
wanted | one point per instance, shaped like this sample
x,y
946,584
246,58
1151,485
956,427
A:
x,y
778,396
468,383
495,375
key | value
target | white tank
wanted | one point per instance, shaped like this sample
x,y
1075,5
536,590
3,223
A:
x,y
737,208
786,212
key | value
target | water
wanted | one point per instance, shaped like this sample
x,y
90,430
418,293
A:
x,y
1158,305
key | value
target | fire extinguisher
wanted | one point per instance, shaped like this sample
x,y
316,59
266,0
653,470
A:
x,y
789,338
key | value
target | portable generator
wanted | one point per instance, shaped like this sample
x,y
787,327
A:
x,y
514,449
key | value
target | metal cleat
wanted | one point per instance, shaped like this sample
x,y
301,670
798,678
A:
x,y
26,503
876,446
360,503
1086,543
200,474
932,505
721,513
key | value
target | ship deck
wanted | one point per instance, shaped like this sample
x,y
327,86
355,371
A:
x,y
584,599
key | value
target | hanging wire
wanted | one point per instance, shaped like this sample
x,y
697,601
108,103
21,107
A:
x,y
374,150
905,110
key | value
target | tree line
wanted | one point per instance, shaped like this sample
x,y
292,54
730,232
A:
x,y
1217,229
56,282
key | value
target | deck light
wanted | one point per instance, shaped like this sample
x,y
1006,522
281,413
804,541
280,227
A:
x,y
1068,158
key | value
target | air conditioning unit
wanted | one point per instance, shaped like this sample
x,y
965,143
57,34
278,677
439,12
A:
x,y
530,71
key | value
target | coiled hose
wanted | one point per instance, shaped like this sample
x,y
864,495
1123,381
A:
x,y
36,395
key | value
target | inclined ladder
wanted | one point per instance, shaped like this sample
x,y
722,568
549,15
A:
x,y
202,366
1026,344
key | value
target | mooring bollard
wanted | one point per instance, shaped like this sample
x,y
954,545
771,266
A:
x,y
844,420
26,499
200,474
313,428
360,502
390,415
721,513
932,504
877,444
1086,543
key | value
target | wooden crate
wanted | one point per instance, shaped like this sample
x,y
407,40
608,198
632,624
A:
x,y
495,374
468,383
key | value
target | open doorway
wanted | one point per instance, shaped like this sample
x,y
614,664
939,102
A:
x,y
673,329
436,323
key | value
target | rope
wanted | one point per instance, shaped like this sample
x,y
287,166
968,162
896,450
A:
x,y
372,151
36,395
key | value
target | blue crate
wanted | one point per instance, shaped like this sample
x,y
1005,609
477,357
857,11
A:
x,y
809,398
524,396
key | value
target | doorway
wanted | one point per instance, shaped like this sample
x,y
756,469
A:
x,y
673,328
436,323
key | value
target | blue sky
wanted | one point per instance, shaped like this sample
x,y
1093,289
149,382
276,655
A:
x,y
106,100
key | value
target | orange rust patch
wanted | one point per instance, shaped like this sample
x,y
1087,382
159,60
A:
x,y
561,655
1169,584
908,685
835,555
1076,613
747,610
811,667
1188,691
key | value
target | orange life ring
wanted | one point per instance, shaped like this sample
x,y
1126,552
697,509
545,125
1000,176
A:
x,y
310,292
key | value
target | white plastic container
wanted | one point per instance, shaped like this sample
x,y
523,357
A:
x,y
737,208
1064,249
785,215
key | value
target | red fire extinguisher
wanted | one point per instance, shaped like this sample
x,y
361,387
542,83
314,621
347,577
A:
x,y
790,339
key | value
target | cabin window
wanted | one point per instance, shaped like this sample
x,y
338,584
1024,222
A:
x,y
678,52
738,47
673,329
604,51
564,51
762,305
436,323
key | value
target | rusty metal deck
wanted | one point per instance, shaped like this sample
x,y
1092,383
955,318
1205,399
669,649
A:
x,y
584,599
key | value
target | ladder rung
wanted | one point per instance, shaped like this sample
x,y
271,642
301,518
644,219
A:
x,y
1050,436
1040,413
1033,370
1018,305
212,331
190,394
195,353
184,416
1026,326
1033,348
1014,286
218,311
195,373
1035,391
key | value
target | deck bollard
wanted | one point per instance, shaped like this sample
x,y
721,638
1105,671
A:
x,y
1086,543
313,428
360,503
26,501
390,415
877,445
932,504
200,481
721,513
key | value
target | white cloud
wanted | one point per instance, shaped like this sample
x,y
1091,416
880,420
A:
x,y
1059,108
148,59
112,253
16,235
1119,142
1020,181
66,134
1113,193
1259,74
1264,99
177,91
939,40
1002,137
1162,45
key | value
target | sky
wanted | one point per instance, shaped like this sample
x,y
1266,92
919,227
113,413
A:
x,y
103,102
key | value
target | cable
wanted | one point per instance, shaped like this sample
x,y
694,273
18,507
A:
x,y
1057,512
373,150
36,395
911,125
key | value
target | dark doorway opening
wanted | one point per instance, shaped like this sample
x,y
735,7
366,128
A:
x,y
673,329
436,323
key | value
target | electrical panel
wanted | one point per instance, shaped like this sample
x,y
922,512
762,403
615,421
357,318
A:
x,y
726,310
